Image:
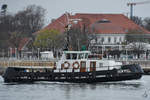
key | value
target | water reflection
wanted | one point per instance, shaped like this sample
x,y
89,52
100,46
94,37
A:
x,y
123,84
124,90
65,85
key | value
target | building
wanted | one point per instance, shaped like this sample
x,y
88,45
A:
x,y
110,29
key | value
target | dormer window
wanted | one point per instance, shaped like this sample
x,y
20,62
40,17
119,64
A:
x,y
104,21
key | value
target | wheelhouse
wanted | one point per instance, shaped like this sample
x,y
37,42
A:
x,y
76,55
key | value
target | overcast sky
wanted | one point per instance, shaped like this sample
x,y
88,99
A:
x,y
55,8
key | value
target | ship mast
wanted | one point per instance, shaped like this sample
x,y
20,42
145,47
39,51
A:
x,y
70,22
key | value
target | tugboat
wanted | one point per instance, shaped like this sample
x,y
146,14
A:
x,y
76,67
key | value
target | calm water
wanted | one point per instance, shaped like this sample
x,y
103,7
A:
x,y
125,90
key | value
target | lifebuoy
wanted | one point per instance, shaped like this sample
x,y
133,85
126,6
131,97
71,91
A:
x,y
65,65
76,65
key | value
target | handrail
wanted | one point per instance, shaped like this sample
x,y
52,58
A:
x,y
87,69
27,63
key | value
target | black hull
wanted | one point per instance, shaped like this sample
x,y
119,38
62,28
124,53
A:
x,y
80,80
14,75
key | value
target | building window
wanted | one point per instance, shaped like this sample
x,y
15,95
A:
x,y
109,39
102,39
120,39
115,39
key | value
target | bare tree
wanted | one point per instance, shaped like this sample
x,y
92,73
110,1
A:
x,y
5,30
15,39
20,25
137,20
29,20
147,23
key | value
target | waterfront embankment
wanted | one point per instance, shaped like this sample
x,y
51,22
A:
x,y
145,64
18,63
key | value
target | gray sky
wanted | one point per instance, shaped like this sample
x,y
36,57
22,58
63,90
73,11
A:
x,y
56,8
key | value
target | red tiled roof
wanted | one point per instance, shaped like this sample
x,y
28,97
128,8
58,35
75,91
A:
x,y
108,28
23,42
118,23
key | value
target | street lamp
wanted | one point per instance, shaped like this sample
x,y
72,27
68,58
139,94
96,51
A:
x,y
126,55
126,47
3,53
102,50
10,52
38,53
15,52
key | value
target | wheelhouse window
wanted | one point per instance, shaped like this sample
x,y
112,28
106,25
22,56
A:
x,y
74,56
68,56
86,55
81,56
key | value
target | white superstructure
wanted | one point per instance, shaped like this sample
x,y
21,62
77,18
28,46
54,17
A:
x,y
81,61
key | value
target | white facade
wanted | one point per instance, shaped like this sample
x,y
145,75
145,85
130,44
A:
x,y
109,39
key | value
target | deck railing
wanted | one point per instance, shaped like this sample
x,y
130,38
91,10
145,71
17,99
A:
x,y
27,63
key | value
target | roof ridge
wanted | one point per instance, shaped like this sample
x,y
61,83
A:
x,y
98,14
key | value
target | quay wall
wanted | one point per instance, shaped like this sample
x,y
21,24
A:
x,y
145,64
